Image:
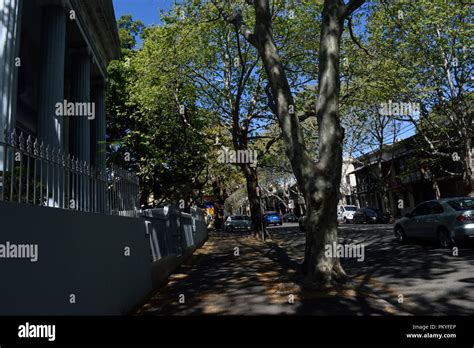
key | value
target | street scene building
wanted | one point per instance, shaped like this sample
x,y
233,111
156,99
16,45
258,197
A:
x,y
403,177
69,218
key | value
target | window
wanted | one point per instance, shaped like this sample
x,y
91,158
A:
x,y
436,208
422,209
462,204
370,212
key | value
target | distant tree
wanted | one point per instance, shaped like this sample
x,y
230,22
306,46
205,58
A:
x,y
129,30
146,133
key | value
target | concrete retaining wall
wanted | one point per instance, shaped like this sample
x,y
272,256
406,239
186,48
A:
x,y
173,237
89,264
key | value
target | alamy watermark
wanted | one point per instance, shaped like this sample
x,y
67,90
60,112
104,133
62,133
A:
x,y
350,251
238,157
19,251
28,330
84,109
399,109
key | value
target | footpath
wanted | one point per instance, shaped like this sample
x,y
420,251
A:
x,y
235,274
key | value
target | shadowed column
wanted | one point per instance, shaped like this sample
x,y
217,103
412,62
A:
x,y
98,147
80,94
79,122
51,86
98,126
10,15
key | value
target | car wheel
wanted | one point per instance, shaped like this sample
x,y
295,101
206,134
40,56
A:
x,y
281,223
400,235
444,238
229,229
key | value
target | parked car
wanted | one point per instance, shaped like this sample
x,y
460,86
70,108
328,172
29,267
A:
x,y
371,216
238,223
447,221
272,218
345,213
290,217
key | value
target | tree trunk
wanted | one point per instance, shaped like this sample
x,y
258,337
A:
x,y
319,182
254,199
322,196
434,181
468,175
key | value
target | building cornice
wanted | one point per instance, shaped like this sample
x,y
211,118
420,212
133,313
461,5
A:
x,y
97,22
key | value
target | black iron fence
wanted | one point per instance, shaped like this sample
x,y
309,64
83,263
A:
x,y
33,173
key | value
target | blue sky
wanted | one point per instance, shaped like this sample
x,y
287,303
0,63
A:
x,y
148,11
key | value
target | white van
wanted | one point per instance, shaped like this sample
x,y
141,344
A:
x,y
345,213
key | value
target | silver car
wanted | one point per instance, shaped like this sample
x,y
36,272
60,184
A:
x,y
448,221
238,223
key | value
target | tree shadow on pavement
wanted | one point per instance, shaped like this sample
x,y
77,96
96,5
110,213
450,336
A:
x,y
431,279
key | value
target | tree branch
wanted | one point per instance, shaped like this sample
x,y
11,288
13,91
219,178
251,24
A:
x,y
351,7
237,20
351,33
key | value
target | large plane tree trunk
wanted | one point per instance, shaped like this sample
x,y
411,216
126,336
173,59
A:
x,y
323,191
318,181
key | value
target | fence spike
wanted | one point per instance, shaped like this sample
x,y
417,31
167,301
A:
x,y
14,138
21,141
47,152
41,149
29,144
36,147
53,155
68,160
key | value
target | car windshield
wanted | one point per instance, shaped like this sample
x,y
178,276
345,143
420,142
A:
x,y
350,208
273,214
370,212
462,204
237,218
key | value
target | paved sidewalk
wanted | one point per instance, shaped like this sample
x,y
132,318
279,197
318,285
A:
x,y
234,274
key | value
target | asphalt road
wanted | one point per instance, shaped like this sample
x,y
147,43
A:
x,y
419,277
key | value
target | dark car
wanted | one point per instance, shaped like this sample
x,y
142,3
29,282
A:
x,y
273,218
290,217
371,216
237,223
447,221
